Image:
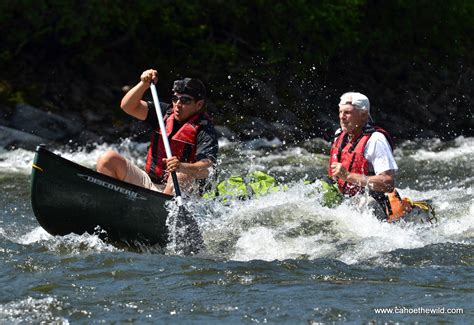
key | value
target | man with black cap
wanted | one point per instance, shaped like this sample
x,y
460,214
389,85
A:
x,y
192,137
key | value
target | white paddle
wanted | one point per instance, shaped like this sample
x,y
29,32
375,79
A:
x,y
191,236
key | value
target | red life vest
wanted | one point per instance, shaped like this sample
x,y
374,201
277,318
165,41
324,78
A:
x,y
351,156
182,145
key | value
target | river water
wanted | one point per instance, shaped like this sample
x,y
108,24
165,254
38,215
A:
x,y
280,258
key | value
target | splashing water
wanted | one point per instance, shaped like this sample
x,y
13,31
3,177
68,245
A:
x,y
284,252
292,223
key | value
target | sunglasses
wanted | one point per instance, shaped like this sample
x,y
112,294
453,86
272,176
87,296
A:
x,y
185,100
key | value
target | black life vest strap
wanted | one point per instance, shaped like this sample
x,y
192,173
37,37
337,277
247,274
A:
x,y
344,141
154,152
356,142
351,149
187,152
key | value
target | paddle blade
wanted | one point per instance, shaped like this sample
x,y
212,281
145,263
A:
x,y
185,236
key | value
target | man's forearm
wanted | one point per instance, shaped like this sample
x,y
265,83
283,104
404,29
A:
x,y
199,169
378,183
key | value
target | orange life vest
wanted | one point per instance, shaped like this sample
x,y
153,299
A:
x,y
182,145
351,155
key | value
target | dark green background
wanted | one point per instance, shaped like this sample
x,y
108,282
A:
x,y
285,61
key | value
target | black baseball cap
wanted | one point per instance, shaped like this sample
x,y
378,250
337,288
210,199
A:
x,y
190,86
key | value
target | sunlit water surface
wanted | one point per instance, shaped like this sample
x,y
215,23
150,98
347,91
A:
x,y
281,258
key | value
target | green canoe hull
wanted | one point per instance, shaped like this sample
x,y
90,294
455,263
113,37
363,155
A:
x,y
69,198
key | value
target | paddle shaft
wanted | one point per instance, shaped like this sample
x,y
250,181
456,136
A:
x,y
164,136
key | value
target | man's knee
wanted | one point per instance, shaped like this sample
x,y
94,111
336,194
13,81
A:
x,y
110,161
104,160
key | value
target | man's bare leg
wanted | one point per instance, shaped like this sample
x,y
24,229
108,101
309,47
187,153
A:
x,y
112,164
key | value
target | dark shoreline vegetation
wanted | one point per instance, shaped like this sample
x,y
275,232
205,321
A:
x,y
273,69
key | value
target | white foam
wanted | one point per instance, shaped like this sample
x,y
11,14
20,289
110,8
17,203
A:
x,y
292,224
134,151
20,160
34,236
463,149
16,161
73,244
31,310
264,243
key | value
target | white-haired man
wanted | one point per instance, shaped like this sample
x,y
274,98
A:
x,y
361,154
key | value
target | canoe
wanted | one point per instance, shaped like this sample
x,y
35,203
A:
x,y
70,198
